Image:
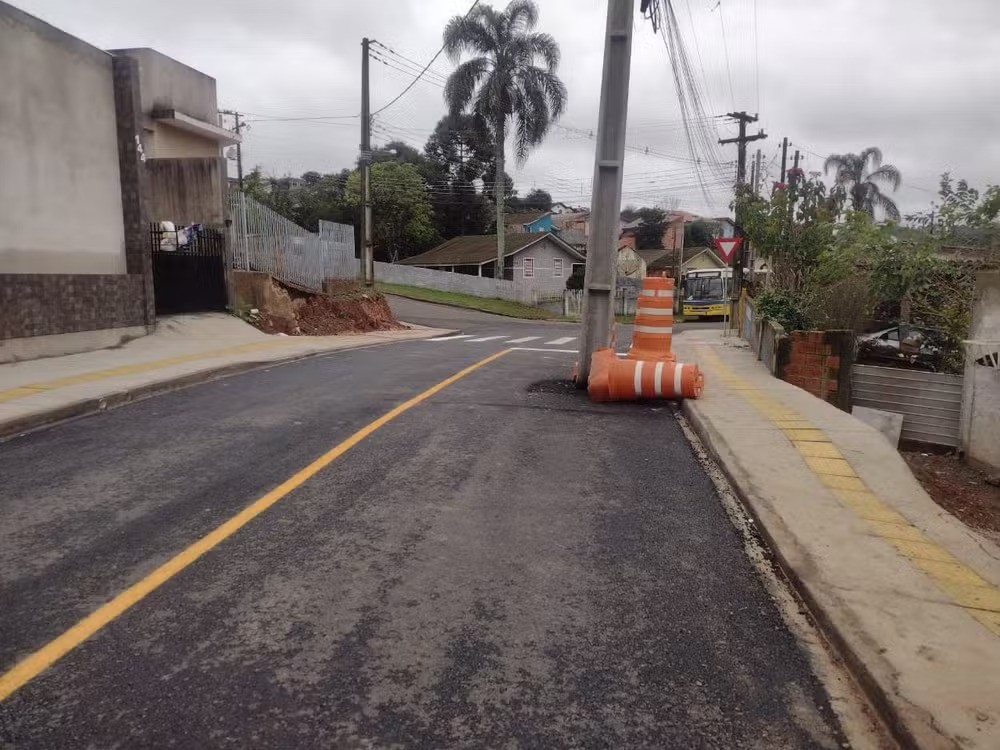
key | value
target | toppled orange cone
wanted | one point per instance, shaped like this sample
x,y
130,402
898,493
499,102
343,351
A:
x,y
613,379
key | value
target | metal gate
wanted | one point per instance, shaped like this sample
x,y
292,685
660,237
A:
x,y
189,274
930,402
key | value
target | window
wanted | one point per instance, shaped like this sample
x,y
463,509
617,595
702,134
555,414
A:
x,y
557,267
528,265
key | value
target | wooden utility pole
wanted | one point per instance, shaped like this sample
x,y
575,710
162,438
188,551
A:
x,y
784,159
758,177
795,178
367,254
609,158
741,141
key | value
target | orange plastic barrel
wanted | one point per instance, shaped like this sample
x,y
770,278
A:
x,y
629,379
652,333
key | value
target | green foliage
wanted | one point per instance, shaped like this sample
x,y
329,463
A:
x,y
575,280
699,233
963,214
402,218
508,83
785,308
858,179
791,229
649,234
536,199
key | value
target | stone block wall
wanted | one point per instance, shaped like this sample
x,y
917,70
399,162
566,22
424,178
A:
x,y
42,304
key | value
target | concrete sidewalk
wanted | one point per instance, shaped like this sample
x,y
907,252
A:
x,y
907,593
184,349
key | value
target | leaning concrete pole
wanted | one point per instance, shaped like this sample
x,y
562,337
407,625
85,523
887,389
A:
x,y
599,279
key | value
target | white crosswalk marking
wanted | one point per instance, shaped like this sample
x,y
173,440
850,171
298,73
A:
x,y
523,340
452,338
486,338
560,341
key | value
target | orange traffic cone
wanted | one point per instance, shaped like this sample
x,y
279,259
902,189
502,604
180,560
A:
x,y
654,320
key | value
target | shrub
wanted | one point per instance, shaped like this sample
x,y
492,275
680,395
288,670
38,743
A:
x,y
785,308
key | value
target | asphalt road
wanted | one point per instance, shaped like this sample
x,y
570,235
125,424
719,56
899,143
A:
x,y
505,564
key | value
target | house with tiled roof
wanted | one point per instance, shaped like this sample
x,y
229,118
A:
x,y
538,260
528,221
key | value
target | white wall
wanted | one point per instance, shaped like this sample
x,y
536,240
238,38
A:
x,y
981,387
60,195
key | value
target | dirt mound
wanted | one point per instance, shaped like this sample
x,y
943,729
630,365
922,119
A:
x,y
350,309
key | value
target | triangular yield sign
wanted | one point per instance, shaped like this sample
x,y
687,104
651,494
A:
x,y
727,246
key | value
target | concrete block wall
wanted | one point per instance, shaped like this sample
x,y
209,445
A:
x,y
75,268
818,362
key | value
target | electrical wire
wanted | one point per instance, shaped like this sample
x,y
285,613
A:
x,y
426,67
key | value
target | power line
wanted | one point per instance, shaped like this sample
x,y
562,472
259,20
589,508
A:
x,y
725,47
426,67
756,53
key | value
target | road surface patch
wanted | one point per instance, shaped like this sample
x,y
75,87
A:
x,y
36,663
969,590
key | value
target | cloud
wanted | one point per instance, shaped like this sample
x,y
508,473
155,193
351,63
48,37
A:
x,y
916,80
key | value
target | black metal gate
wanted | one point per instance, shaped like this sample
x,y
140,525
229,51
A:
x,y
189,272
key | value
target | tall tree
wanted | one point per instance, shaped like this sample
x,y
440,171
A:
x,y
461,149
510,80
857,176
402,219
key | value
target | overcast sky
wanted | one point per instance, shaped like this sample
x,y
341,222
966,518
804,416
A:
x,y
917,78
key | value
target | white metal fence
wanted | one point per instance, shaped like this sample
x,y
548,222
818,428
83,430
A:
x,y
265,241
626,301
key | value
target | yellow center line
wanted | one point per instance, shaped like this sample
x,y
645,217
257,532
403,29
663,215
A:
x,y
969,590
32,389
37,662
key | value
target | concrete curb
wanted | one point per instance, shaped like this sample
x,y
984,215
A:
x,y
908,725
21,425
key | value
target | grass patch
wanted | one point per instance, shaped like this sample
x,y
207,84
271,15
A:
x,y
456,299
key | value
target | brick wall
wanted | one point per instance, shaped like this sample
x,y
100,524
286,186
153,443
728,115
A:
x,y
819,362
37,304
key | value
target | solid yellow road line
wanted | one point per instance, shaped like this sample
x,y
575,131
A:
x,y
32,389
50,653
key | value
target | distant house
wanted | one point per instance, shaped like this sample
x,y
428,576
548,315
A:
x,y
535,259
631,265
694,258
563,208
528,221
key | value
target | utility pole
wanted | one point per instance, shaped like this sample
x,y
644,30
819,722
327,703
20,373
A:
x,y
367,254
239,151
784,158
609,157
741,141
757,178
795,177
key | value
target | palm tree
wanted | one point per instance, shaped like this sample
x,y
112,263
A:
x,y
510,81
858,175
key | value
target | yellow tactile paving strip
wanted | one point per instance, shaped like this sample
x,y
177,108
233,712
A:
x,y
33,389
969,590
